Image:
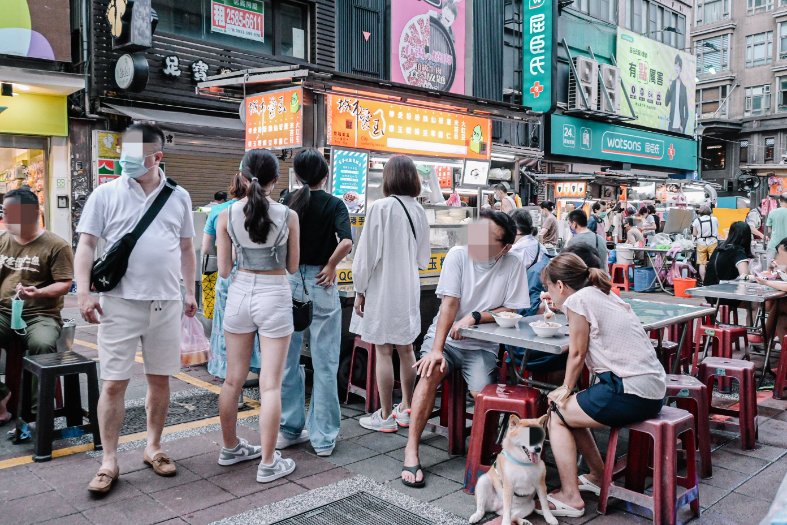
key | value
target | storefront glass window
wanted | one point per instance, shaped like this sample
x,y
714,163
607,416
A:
x,y
714,155
23,167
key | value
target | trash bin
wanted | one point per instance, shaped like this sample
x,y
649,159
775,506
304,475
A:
x,y
66,340
682,284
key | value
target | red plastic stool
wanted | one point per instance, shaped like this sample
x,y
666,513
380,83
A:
x,y
780,383
691,394
453,413
664,430
620,276
723,336
742,371
667,353
368,392
489,403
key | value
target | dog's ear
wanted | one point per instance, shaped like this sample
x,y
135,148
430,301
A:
x,y
513,420
542,421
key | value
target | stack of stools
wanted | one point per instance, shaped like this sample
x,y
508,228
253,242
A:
x,y
664,430
490,402
713,368
48,368
691,394
780,383
620,276
369,391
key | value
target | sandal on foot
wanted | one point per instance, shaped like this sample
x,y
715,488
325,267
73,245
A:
x,y
585,485
414,471
562,510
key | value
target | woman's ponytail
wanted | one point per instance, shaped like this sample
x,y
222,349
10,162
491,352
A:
x,y
310,169
260,167
600,280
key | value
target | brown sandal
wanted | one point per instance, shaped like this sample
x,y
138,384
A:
x,y
103,481
161,464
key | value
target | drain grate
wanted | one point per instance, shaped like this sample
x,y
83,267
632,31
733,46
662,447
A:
x,y
360,509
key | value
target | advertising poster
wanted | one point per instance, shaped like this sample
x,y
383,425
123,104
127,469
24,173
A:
x,y
36,29
476,173
274,119
428,44
349,170
384,126
660,82
108,170
538,53
240,18
106,155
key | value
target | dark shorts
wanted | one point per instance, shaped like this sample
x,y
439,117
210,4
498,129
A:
x,y
606,403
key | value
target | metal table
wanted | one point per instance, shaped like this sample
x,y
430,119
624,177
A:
x,y
743,291
649,252
653,316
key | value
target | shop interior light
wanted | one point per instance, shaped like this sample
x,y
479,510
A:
x,y
22,87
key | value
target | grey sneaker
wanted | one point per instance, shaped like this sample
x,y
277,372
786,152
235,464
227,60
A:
x,y
283,441
402,416
375,421
242,452
281,467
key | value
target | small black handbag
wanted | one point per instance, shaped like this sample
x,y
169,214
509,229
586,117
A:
x,y
302,311
110,268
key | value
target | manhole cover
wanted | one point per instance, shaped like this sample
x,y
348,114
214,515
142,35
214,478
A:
x,y
361,509
181,410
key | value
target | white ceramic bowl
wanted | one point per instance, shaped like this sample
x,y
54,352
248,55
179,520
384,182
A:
x,y
507,322
546,331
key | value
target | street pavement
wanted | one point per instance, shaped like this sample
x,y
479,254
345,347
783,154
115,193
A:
x,y
743,486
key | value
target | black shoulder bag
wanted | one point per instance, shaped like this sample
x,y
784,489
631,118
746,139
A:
x,y
110,268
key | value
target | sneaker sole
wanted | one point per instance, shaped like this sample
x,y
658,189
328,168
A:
x,y
378,429
403,425
291,444
239,459
276,476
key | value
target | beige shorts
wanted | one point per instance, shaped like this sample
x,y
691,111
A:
x,y
127,323
704,251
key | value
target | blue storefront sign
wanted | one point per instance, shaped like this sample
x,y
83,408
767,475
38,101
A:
x,y
539,34
349,170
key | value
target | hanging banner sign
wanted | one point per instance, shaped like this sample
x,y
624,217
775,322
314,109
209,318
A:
x,y
539,89
384,126
349,170
240,18
274,119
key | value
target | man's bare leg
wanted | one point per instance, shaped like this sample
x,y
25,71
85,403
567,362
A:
x,y
421,409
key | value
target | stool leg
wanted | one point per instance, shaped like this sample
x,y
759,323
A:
x,y
45,421
456,416
609,469
699,409
478,435
25,398
746,419
350,374
691,474
73,400
92,406
637,464
663,477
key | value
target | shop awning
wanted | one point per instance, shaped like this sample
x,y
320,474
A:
x,y
39,82
180,120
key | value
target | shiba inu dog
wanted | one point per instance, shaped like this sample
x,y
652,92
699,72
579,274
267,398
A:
x,y
508,488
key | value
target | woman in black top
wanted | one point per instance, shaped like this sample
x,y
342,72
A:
x,y
731,259
326,239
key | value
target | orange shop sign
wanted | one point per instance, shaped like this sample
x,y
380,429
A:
x,y
384,126
274,119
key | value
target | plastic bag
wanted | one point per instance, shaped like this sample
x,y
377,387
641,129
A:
x,y
454,200
194,346
660,239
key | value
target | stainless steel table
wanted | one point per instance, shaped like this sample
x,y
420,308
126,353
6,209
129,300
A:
x,y
649,252
743,291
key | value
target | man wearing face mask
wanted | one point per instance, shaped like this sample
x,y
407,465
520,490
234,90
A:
x,y
475,281
36,270
146,306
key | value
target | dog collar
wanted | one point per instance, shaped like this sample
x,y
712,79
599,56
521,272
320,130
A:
x,y
516,461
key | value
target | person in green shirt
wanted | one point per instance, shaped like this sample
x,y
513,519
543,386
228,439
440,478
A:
x,y
777,225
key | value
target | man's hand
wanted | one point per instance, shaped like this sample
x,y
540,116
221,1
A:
x,y
431,362
190,305
327,276
27,292
89,307
465,322
360,303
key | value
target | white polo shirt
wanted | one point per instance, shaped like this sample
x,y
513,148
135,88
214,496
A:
x,y
114,208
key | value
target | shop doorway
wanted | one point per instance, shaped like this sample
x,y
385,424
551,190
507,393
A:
x,y
23,162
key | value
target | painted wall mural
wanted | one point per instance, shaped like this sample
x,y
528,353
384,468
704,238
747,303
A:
x,y
36,29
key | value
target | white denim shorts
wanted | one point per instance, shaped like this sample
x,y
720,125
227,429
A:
x,y
126,323
259,303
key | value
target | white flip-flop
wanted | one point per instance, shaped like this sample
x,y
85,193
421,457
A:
x,y
562,510
585,485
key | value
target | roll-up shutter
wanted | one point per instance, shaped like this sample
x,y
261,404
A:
x,y
360,35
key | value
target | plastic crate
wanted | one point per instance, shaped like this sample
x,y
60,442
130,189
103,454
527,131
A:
x,y
644,279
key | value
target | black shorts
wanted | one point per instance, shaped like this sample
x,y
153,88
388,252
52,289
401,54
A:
x,y
606,403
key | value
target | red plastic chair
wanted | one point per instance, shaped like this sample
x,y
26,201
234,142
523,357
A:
x,y
742,371
620,276
369,391
691,394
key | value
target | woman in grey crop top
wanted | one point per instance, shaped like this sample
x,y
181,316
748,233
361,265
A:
x,y
262,236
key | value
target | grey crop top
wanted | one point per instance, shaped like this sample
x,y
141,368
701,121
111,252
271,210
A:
x,y
255,256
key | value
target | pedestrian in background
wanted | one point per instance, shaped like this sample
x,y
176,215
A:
x,y
260,236
394,245
507,202
146,306
578,222
705,229
326,239
548,233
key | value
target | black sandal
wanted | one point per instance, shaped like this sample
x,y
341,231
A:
x,y
414,471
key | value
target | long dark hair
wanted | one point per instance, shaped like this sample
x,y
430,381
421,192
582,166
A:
x,y
574,273
260,167
523,221
310,169
739,237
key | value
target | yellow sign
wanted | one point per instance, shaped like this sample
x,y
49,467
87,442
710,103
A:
x,y
727,216
357,220
34,115
108,144
435,266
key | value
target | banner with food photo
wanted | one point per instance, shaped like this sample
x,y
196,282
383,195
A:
x,y
349,170
428,44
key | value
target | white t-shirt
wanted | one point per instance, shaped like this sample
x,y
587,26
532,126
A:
x,y
479,288
526,249
114,208
708,228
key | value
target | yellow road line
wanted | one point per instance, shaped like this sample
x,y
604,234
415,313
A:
x,y
86,344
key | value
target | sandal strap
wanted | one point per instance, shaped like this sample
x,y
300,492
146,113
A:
x,y
413,470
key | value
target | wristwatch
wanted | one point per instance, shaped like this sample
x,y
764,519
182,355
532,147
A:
x,y
476,317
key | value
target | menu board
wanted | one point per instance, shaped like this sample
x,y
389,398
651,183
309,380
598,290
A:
x,y
349,170
397,128
274,119
573,189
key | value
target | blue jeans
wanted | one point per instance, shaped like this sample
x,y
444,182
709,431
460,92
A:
x,y
325,336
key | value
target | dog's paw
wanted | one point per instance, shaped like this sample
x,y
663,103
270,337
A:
x,y
551,519
522,521
475,518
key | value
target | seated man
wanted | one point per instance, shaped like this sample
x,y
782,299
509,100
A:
x,y
37,266
476,279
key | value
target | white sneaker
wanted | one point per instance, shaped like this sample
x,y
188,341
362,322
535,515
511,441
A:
x,y
242,452
278,469
284,442
375,421
402,416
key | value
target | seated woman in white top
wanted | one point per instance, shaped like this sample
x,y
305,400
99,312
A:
x,y
607,337
526,246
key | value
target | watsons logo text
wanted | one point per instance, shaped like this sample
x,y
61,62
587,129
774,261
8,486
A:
x,y
631,145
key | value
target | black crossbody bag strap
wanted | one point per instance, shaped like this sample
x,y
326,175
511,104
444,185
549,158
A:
x,y
410,219
155,208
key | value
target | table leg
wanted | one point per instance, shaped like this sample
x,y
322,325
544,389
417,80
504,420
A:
x,y
658,277
681,341
707,338
767,339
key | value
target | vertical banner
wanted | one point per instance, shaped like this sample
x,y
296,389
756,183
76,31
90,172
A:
x,y
428,44
539,52
349,170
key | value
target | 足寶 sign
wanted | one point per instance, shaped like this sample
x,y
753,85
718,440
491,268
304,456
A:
x,y
538,50
573,136
240,18
349,170
274,119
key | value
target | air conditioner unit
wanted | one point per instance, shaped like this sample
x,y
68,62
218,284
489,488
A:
x,y
610,77
587,71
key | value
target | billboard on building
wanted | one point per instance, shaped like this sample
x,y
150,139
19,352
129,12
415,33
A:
x,y
36,29
538,52
660,82
428,44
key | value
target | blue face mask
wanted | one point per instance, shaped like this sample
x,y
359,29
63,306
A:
x,y
133,166
17,323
